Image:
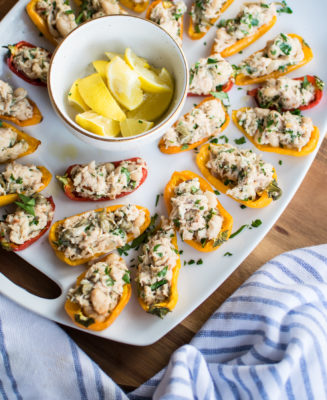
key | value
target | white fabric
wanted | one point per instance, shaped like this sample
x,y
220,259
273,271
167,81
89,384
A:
x,y
267,341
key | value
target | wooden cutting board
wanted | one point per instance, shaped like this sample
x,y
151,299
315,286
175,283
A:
x,y
302,224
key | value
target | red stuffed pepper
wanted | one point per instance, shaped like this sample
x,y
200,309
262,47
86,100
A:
x,y
34,215
289,94
29,62
102,182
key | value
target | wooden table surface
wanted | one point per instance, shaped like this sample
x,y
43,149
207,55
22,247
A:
x,y
302,224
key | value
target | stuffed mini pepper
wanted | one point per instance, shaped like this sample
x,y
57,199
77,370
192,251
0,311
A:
x,y
158,271
100,294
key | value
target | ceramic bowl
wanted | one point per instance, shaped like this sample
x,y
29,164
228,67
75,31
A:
x,y
73,57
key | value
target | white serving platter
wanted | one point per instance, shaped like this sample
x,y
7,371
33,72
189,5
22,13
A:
x,y
60,148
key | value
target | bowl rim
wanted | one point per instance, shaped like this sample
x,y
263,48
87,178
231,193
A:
x,y
129,138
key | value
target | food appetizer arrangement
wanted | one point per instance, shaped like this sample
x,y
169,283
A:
x,y
126,96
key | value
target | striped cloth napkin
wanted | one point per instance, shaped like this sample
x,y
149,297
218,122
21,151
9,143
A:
x,y
267,341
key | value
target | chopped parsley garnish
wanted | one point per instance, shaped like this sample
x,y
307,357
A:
x,y
284,8
228,254
224,137
242,206
319,82
212,61
280,162
256,223
26,203
241,140
125,171
199,262
163,272
185,146
126,277
217,193
157,199
238,231
190,262
223,96
157,285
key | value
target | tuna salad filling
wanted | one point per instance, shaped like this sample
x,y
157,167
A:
x,y
105,180
203,12
169,15
100,290
195,213
30,218
58,15
210,75
33,62
96,232
14,103
276,129
155,271
246,174
98,8
18,178
202,122
247,22
285,93
279,53
10,146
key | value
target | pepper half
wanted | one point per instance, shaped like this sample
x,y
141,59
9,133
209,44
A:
x,y
60,254
165,4
307,149
10,198
39,22
245,42
136,7
242,79
35,119
19,247
161,309
262,200
199,35
68,186
226,229
180,149
314,80
13,49
33,143
76,314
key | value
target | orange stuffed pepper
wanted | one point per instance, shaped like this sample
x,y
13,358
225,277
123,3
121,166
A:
x,y
157,280
84,237
100,294
297,137
205,224
188,132
281,55
199,24
241,174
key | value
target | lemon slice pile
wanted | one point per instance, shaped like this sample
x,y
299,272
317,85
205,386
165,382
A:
x,y
125,96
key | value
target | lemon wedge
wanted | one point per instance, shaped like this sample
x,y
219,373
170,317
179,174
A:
x,y
133,127
96,95
154,104
75,99
98,124
150,81
124,84
101,67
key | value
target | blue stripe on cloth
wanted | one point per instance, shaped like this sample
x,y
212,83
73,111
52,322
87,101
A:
x,y
6,363
261,358
178,379
304,265
309,316
98,381
230,383
315,254
260,285
132,396
306,379
272,369
289,390
268,275
250,317
173,397
285,270
258,383
78,369
225,350
152,382
178,363
257,299
242,384
196,367
2,391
